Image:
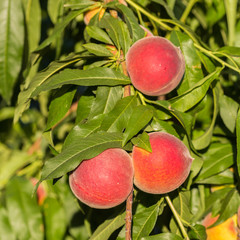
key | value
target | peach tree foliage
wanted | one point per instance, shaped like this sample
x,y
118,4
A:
x,y
63,100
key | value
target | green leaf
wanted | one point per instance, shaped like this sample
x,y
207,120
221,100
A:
x,y
228,111
106,99
144,222
217,159
33,23
79,4
226,177
229,206
54,218
90,77
105,230
163,236
84,106
139,118
58,29
204,140
11,45
78,151
167,8
59,106
7,232
111,25
82,130
98,34
197,232
194,95
193,71
25,95
160,125
135,30
124,37
142,141
118,118
24,213
233,51
97,49
53,9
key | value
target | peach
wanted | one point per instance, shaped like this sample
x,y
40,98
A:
x,y
41,191
90,14
104,181
165,168
155,65
224,231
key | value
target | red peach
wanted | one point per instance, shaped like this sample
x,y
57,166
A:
x,y
224,231
104,181
155,65
165,168
41,191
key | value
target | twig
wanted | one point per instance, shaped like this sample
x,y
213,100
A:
x,y
128,219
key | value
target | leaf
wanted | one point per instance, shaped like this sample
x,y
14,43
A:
x,y
194,95
160,125
118,118
84,106
24,213
135,30
79,4
33,23
111,25
58,29
226,177
139,118
106,99
219,158
105,230
78,151
54,218
142,141
6,232
82,130
124,37
25,95
197,232
144,222
229,207
167,8
89,77
11,45
53,9
204,140
233,51
59,106
98,34
193,71
163,236
97,49
228,112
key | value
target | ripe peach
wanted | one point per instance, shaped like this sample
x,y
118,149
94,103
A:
x,y
224,231
165,168
155,65
41,191
104,181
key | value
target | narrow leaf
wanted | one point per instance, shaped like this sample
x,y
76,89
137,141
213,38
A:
x,y
108,227
118,118
98,50
139,118
142,141
89,77
98,34
11,45
238,141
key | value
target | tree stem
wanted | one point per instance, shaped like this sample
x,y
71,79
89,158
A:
x,y
128,226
